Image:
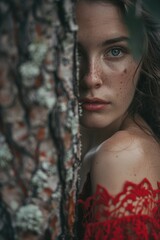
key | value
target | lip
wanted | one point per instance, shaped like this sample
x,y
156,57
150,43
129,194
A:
x,y
93,104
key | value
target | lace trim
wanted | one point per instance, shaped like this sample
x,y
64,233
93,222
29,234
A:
x,y
128,228
135,211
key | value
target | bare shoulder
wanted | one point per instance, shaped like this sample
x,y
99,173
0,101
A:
x,y
126,156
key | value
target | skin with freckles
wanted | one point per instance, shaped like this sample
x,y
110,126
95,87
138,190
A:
x,y
107,69
114,147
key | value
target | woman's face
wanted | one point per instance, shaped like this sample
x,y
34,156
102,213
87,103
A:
x,y
108,71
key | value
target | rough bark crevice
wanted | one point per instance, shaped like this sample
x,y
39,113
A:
x,y
39,135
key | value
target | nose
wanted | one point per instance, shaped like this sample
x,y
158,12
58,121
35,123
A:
x,y
90,75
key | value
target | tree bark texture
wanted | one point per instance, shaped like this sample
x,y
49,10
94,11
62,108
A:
x,y
39,135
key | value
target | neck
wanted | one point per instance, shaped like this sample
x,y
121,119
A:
x,y
93,137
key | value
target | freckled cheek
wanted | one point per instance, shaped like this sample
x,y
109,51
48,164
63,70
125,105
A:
x,y
124,85
128,75
120,77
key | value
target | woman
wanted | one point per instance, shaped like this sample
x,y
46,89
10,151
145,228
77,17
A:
x,y
119,98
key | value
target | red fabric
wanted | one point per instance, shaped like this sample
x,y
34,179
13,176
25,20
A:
x,y
133,214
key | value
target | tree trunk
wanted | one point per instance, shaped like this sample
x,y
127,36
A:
x,y
39,153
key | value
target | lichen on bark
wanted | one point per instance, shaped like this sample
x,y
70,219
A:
x,y
39,120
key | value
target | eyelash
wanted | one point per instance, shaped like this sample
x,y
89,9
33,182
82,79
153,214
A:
x,y
108,53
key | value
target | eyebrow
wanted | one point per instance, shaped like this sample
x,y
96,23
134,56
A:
x,y
108,41
115,40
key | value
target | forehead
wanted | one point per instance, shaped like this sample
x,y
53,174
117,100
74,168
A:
x,y
99,21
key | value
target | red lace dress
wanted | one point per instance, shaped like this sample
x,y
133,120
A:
x,y
133,214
